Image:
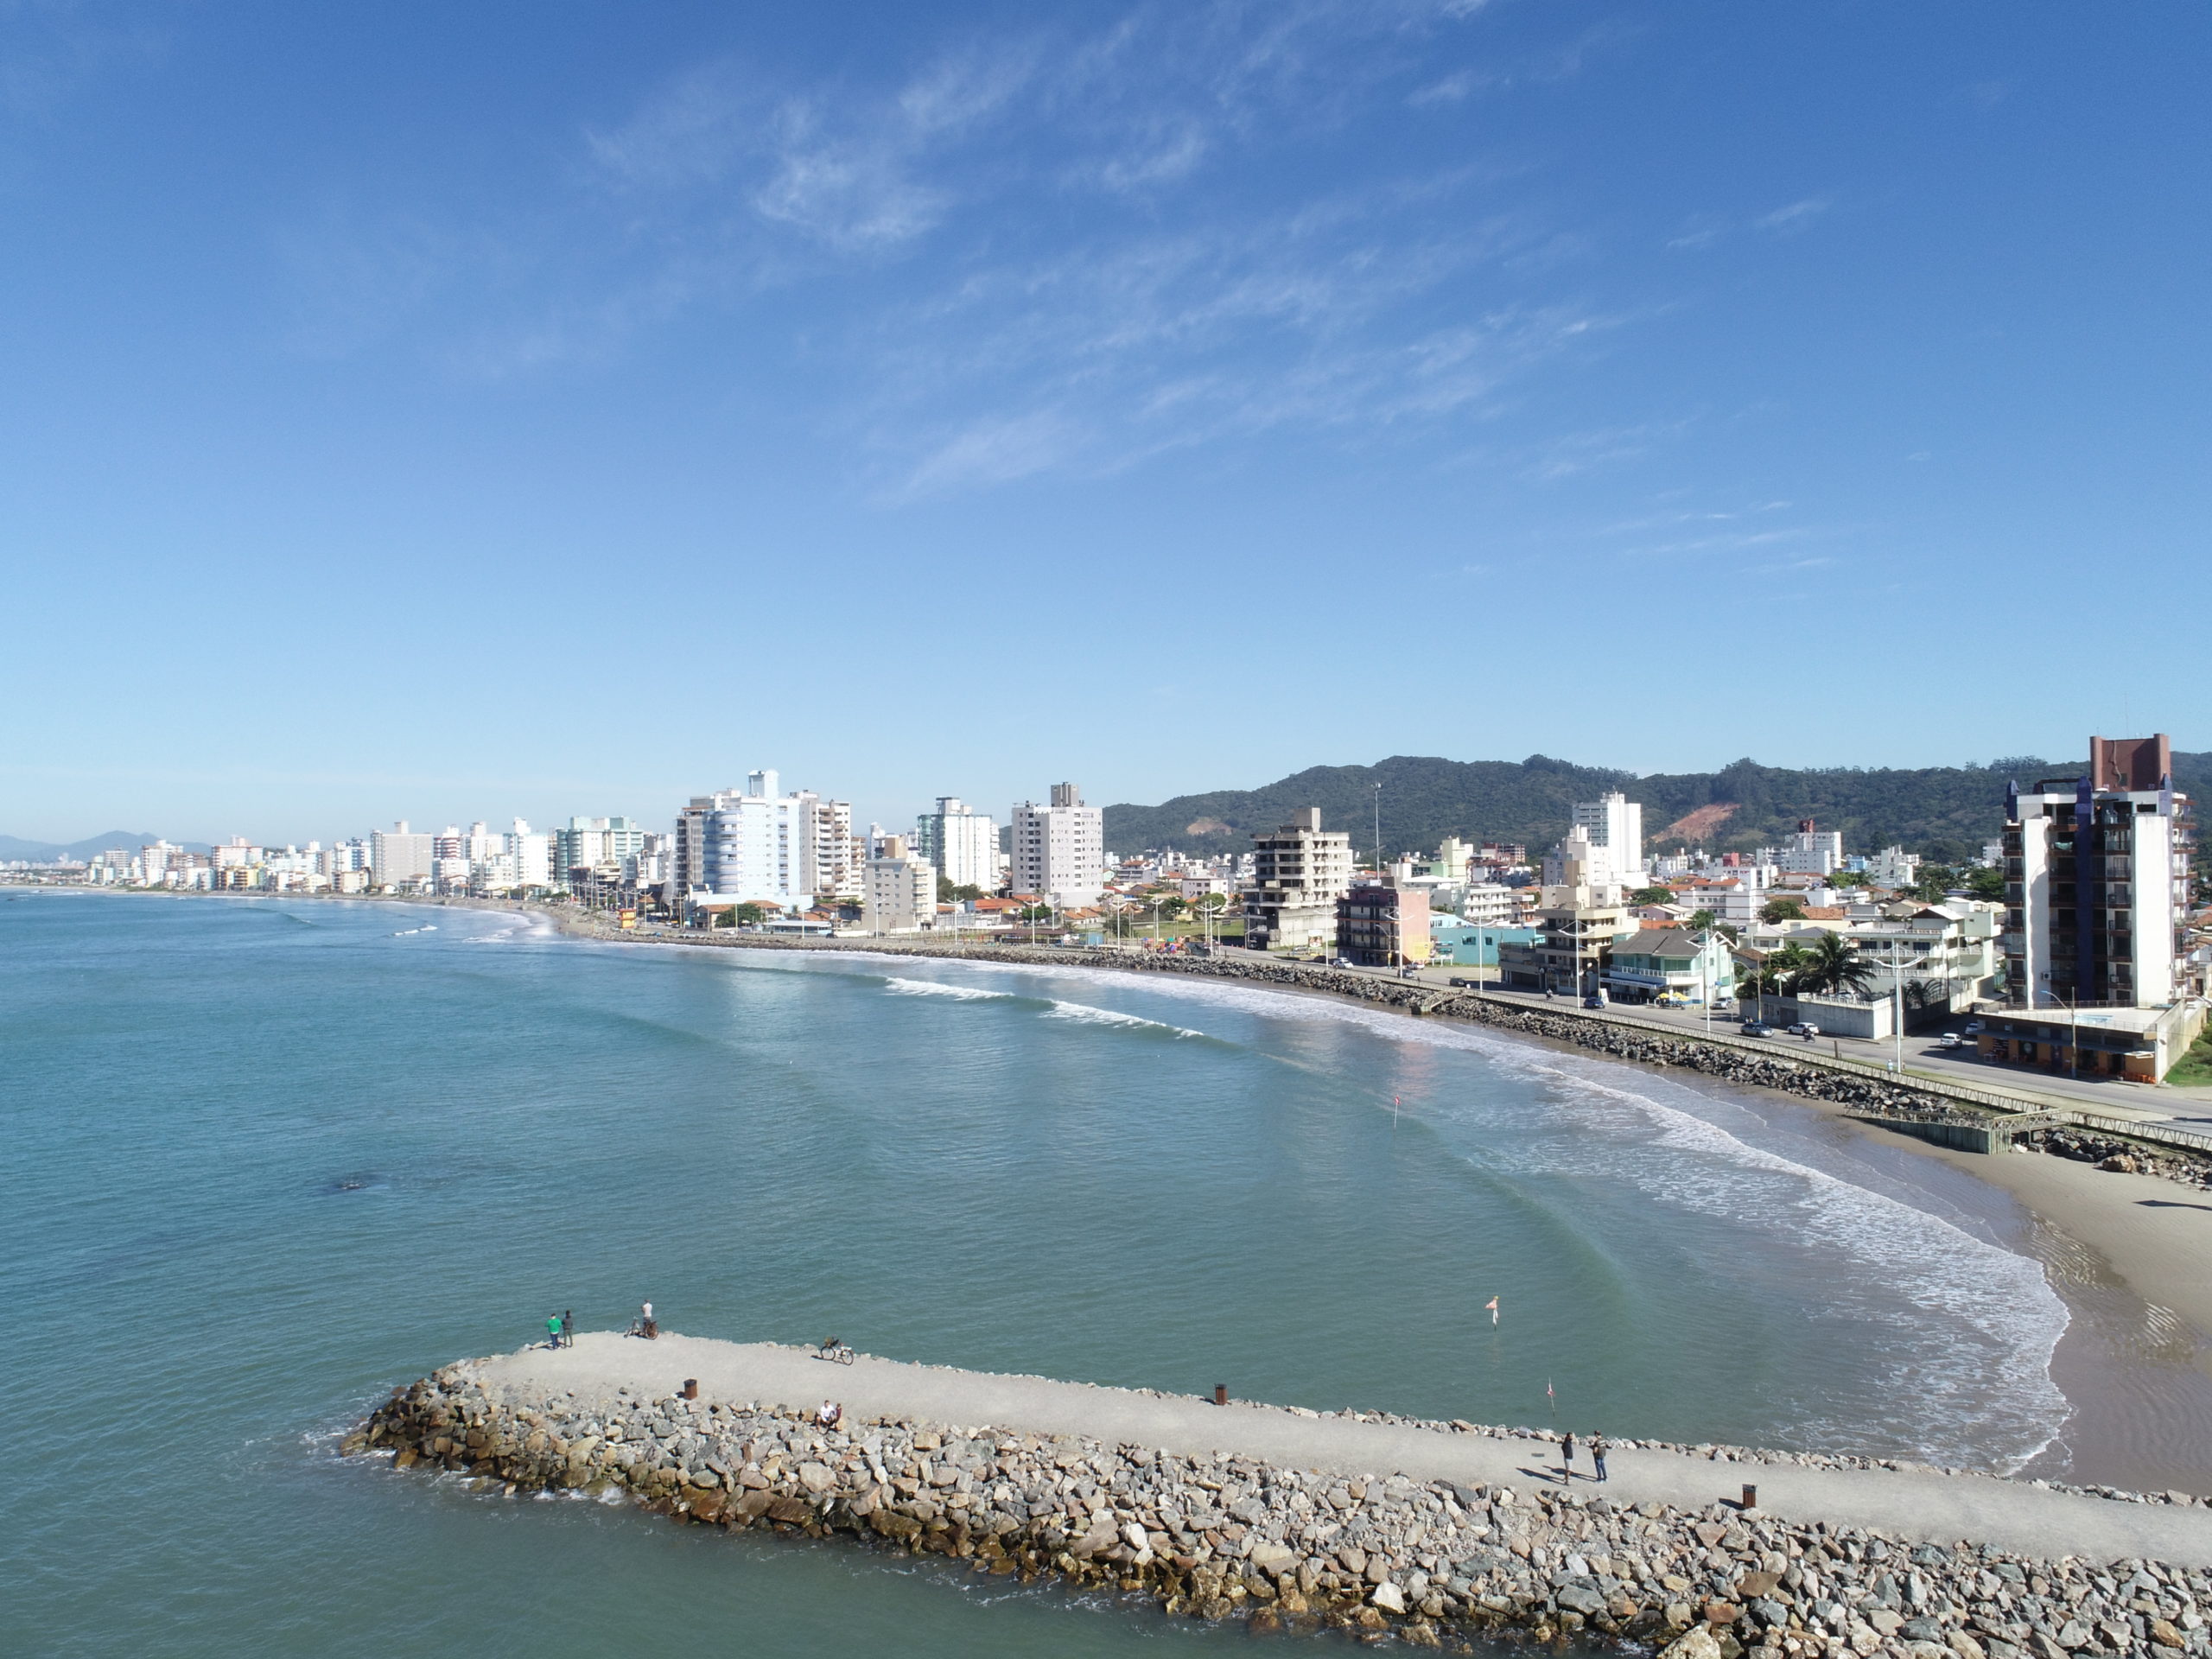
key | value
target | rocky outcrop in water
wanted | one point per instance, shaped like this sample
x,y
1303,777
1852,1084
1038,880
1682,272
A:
x,y
1222,1537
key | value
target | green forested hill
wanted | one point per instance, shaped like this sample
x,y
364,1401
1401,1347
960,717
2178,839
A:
x,y
1944,812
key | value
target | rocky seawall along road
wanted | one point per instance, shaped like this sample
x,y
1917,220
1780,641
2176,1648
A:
x,y
1292,1520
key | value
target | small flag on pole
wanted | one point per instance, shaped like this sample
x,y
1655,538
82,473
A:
x,y
1492,1306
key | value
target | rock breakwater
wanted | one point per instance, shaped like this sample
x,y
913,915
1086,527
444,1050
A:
x,y
1223,1536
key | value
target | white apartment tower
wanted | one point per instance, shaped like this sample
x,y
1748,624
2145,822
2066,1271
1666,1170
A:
x,y
961,842
2096,882
1614,827
1059,851
754,846
1812,851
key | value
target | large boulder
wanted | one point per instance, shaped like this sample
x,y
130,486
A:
x,y
1700,1643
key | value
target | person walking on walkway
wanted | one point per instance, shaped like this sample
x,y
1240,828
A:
x,y
1567,1458
1598,1455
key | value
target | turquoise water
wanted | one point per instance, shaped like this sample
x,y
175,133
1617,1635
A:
x,y
266,1159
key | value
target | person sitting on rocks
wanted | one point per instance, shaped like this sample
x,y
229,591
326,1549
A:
x,y
830,1414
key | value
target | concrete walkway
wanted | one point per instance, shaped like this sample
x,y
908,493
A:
x,y
1936,1509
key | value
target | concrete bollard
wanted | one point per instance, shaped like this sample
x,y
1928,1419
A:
x,y
1751,1497
1221,1394
691,1392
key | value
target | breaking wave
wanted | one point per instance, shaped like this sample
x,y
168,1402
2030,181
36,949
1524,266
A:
x,y
957,992
1084,1013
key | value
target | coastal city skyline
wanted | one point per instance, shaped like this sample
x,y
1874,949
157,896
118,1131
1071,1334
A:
x,y
148,822
988,830
2085,895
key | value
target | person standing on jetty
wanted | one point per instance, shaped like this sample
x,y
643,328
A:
x,y
568,1328
1567,1458
1598,1455
552,1330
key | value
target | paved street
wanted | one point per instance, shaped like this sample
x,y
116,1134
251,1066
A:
x,y
2186,1107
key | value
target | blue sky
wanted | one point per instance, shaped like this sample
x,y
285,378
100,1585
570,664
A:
x,y
463,411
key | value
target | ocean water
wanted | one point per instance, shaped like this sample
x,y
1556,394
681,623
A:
x,y
265,1159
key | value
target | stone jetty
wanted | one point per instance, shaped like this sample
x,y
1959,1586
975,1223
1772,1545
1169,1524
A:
x,y
1289,1519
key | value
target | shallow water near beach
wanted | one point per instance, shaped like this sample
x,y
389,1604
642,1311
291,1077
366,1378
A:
x,y
268,1159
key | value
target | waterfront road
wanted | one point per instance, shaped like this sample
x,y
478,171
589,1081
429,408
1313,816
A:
x,y
2189,1109
1913,1504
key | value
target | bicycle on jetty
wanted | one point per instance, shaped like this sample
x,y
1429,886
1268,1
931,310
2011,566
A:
x,y
834,1351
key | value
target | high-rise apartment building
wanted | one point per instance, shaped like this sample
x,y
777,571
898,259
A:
x,y
832,872
398,857
2096,874
961,842
597,844
532,854
1614,826
755,845
1299,872
1811,851
1059,850
900,892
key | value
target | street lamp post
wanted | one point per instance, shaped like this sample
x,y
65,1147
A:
x,y
1896,990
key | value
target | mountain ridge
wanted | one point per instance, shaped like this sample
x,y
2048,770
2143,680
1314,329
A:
x,y
1941,812
13,846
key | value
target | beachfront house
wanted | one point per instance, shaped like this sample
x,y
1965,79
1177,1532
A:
x,y
1671,963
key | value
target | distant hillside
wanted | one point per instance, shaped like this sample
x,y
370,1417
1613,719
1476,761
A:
x,y
1943,812
40,852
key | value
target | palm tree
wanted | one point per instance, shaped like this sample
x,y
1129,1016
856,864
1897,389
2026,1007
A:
x,y
1790,964
1835,964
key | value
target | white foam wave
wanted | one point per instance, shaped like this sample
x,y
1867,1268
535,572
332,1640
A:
x,y
932,988
1978,1371
1084,1013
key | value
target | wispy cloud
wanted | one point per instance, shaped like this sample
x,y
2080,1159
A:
x,y
1701,231
1036,252
1795,216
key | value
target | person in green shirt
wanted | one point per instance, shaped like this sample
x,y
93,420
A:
x,y
553,1330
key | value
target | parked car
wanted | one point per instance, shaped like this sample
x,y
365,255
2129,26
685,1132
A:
x,y
1973,1027
1756,1028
